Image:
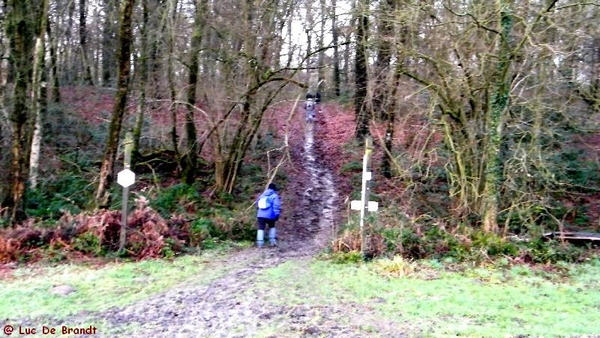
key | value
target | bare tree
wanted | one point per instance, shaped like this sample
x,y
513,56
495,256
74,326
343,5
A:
x,y
38,95
246,78
85,66
309,25
336,51
5,126
109,30
384,102
22,23
321,57
110,153
67,48
472,79
362,109
191,156
53,41
172,15
143,80
385,32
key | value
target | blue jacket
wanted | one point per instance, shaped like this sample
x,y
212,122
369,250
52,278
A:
x,y
275,209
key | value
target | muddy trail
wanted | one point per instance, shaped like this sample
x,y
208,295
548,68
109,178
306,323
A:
x,y
234,303
232,306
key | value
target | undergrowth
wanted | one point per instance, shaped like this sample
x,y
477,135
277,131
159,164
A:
x,y
460,244
433,232
163,222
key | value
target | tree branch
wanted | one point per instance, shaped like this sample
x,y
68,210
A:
x,y
479,24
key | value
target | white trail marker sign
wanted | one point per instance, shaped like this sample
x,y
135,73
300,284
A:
x,y
364,204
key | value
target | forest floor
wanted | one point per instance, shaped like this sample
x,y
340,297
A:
x,y
238,301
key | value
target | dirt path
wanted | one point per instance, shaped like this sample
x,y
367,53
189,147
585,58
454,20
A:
x,y
231,306
234,305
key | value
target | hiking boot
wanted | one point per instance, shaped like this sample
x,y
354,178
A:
x,y
273,237
260,238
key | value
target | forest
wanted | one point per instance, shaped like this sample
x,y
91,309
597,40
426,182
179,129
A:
x,y
483,114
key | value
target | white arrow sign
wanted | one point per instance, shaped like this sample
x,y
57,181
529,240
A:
x,y
357,205
126,178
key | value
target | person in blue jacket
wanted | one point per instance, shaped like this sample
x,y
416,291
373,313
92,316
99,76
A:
x,y
268,211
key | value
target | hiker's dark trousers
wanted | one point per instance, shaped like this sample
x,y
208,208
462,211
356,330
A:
x,y
265,221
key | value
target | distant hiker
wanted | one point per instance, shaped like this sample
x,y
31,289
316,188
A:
x,y
269,209
318,107
309,109
315,97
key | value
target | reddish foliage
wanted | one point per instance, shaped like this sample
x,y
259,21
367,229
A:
x,y
336,129
147,235
92,103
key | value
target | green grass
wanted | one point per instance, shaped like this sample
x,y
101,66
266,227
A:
x,y
28,294
425,299
476,302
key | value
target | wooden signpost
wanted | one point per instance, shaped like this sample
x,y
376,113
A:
x,y
364,204
125,178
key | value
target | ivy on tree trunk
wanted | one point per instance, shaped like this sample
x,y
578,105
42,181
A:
x,y
500,102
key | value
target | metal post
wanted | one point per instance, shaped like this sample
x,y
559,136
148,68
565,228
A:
x,y
366,176
128,145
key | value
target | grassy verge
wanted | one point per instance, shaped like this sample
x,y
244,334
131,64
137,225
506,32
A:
x,y
29,293
434,302
423,299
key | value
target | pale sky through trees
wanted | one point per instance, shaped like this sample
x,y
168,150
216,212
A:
x,y
299,27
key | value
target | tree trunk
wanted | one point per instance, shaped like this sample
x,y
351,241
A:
x,y
191,157
390,106
20,30
68,54
158,39
110,153
499,104
390,114
361,79
108,31
38,97
85,66
53,63
346,83
321,60
143,71
290,42
382,62
348,74
171,79
309,26
336,51
5,126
